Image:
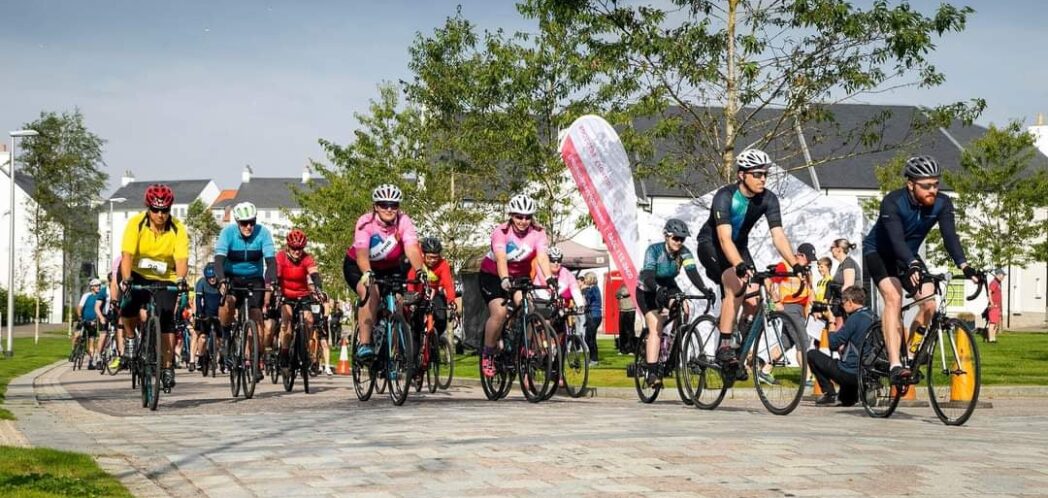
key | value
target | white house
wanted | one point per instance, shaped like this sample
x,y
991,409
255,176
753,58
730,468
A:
x,y
50,263
271,196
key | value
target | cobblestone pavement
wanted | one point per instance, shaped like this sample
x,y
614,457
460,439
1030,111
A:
x,y
201,442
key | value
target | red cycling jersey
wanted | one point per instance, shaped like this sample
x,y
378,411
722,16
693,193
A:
x,y
293,277
443,281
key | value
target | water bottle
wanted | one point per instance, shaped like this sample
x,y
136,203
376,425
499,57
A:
x,y
915,339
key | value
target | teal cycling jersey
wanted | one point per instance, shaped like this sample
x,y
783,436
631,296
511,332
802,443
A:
x,y
664,265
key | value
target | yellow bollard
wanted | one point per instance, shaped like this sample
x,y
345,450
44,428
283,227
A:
x,y
962,387
824,346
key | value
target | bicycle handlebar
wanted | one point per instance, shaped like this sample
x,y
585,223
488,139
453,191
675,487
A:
x,y
759,277
695,297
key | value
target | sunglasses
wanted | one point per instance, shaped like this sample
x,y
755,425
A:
x,y
760,175
928,186
246,223
388,205
677,239
522,216
166,210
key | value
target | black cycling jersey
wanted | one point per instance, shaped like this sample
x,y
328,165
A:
x,y
904,223
730,206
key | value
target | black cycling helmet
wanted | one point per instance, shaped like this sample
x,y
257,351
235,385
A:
x,y
922,167
431,245
209,270
676,228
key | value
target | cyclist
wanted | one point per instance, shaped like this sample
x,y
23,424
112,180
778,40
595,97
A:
x,y
299,282
723,241
890,251
381,240
567,284
155,250
438,274
514,244
90,312
657,283
208,301
244,257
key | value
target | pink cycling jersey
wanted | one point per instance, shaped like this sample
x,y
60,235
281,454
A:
x,y
567,284
520,249
385,243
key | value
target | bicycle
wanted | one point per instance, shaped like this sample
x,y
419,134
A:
x,y
671,361
392,341
244,346
79,349
769,330
182,328
148,352
946,354
447,348
299,358
573,353
209,356
432,351
107,349
526,349
316,351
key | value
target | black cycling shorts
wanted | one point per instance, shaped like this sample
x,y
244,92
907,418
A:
x,y
351,272
715,262
90,329
879,267
255,284
647,300
490,287
165,302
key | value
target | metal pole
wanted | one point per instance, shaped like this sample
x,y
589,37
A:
x,y
11,256
807,155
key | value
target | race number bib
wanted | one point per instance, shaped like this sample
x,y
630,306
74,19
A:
x,y
152,264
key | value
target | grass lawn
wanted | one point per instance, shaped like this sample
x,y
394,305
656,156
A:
x,y
42,472
29,357
1016,359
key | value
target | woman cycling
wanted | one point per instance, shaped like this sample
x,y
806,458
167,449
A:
x,y
566,281
514,244
657,284
299,281
381,240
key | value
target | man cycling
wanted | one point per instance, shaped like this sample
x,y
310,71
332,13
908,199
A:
x,y
90,310
208,300
381,240
890,251
657,283
723,241
155,250
245,257
299,282
438,274
514,244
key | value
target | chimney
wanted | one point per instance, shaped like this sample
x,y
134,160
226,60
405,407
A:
x,y
307,174
128,177
245,176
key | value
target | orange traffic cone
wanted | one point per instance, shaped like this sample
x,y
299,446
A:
x,y
343,359
824,346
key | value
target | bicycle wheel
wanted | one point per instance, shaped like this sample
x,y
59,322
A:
x,y
497,386
557,365
293,358
363,380
151,383
236,353
250,371
878,396
954,373
401,360
212,351
704,378
535,358
304,359
575,366
771,347
422,372
646,392
78,353
433,372
446,365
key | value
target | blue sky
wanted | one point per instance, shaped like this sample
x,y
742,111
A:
x,y
198,89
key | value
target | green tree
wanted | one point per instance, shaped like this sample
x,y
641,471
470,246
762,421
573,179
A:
x,y
65,162
203,230
720,76
44,236
1000,184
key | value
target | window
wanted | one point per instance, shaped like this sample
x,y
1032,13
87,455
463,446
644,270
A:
x,y
955,293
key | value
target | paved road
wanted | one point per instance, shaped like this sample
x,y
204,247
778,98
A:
x,y
457,443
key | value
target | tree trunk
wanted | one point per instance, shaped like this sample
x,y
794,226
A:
x,y
731,106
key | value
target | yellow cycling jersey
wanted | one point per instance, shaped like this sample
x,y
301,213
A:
x,y
154,255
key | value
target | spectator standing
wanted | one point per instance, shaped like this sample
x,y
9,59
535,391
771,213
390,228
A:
x,y
847,273
594,312
993,310
627,321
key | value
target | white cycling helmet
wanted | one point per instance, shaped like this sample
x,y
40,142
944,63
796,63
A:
x,y
521,204
555,254
751,159
386,193
244,211
94,282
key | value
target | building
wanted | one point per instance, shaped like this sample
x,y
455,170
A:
x,y
51,262
273,197
127,201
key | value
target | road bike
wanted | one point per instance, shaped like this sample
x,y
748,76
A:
x,y
393,364
147,359
648,379
526,349
572,369
244,347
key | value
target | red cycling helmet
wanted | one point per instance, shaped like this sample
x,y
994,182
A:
x,y
296,239
159,196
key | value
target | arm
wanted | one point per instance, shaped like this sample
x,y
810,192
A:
x,y
414,254
849,277
409,237
269,254
80,306
647,271
182,253
893,226
498,249
221,250
692,270
98,310
446,281
727,245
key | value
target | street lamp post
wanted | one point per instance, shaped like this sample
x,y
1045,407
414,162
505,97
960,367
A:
x,y
115,200
9,352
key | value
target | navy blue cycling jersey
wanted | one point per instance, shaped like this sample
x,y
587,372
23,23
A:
x,y
207,298
903,225
244,258
730,206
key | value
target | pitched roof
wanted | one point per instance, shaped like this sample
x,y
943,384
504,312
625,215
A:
x,y
225,198
186,191
269,193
